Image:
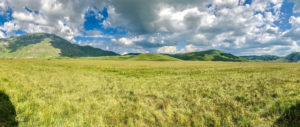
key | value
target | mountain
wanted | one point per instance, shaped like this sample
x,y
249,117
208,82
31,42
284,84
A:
x,y
209,55
141,57
42,45
293,57
262,58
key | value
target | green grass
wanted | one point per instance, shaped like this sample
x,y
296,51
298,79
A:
x,y
76,92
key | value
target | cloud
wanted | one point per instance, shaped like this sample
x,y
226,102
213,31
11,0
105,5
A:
x,y
175,49
199,25
2,35
63,17
167,49
160,25
126,41
9,29
293,33
297,5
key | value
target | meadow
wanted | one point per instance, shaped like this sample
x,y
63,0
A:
x,y
77,93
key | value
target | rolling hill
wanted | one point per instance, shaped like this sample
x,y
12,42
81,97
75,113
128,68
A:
x,y
262,58
42,45
293,57
153,57
209,55
140,57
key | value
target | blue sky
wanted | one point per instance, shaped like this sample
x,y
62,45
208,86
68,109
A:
x,y
241,27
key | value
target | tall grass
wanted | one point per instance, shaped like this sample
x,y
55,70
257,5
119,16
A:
x,y
136,93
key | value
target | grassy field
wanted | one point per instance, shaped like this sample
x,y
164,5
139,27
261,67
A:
x,y
78,92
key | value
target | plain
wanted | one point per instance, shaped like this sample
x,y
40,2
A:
x,y
77,92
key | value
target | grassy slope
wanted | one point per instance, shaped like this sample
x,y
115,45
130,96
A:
x,y
45,46
140,57
209,55
262,58
293,57
153,57
135,93
39,50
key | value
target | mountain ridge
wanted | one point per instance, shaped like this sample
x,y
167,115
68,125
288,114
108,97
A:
x,y
208,55
44,45
261,58
292,57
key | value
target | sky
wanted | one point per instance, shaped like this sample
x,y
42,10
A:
x,y
240,27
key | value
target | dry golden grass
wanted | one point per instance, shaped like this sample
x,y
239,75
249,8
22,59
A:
x,y
80,93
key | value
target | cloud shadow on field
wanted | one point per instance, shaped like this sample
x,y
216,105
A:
x,y
290,118
7,112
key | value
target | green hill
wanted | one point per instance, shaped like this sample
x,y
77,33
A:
x,y
262,58
293,57
153,57
209,55
42,45
140,57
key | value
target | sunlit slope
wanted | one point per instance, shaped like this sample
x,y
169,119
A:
x,y
153,57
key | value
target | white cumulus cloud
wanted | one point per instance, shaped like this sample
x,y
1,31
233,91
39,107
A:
x,y
160,25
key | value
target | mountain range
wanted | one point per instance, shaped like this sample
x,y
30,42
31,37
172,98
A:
x,y
43,45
